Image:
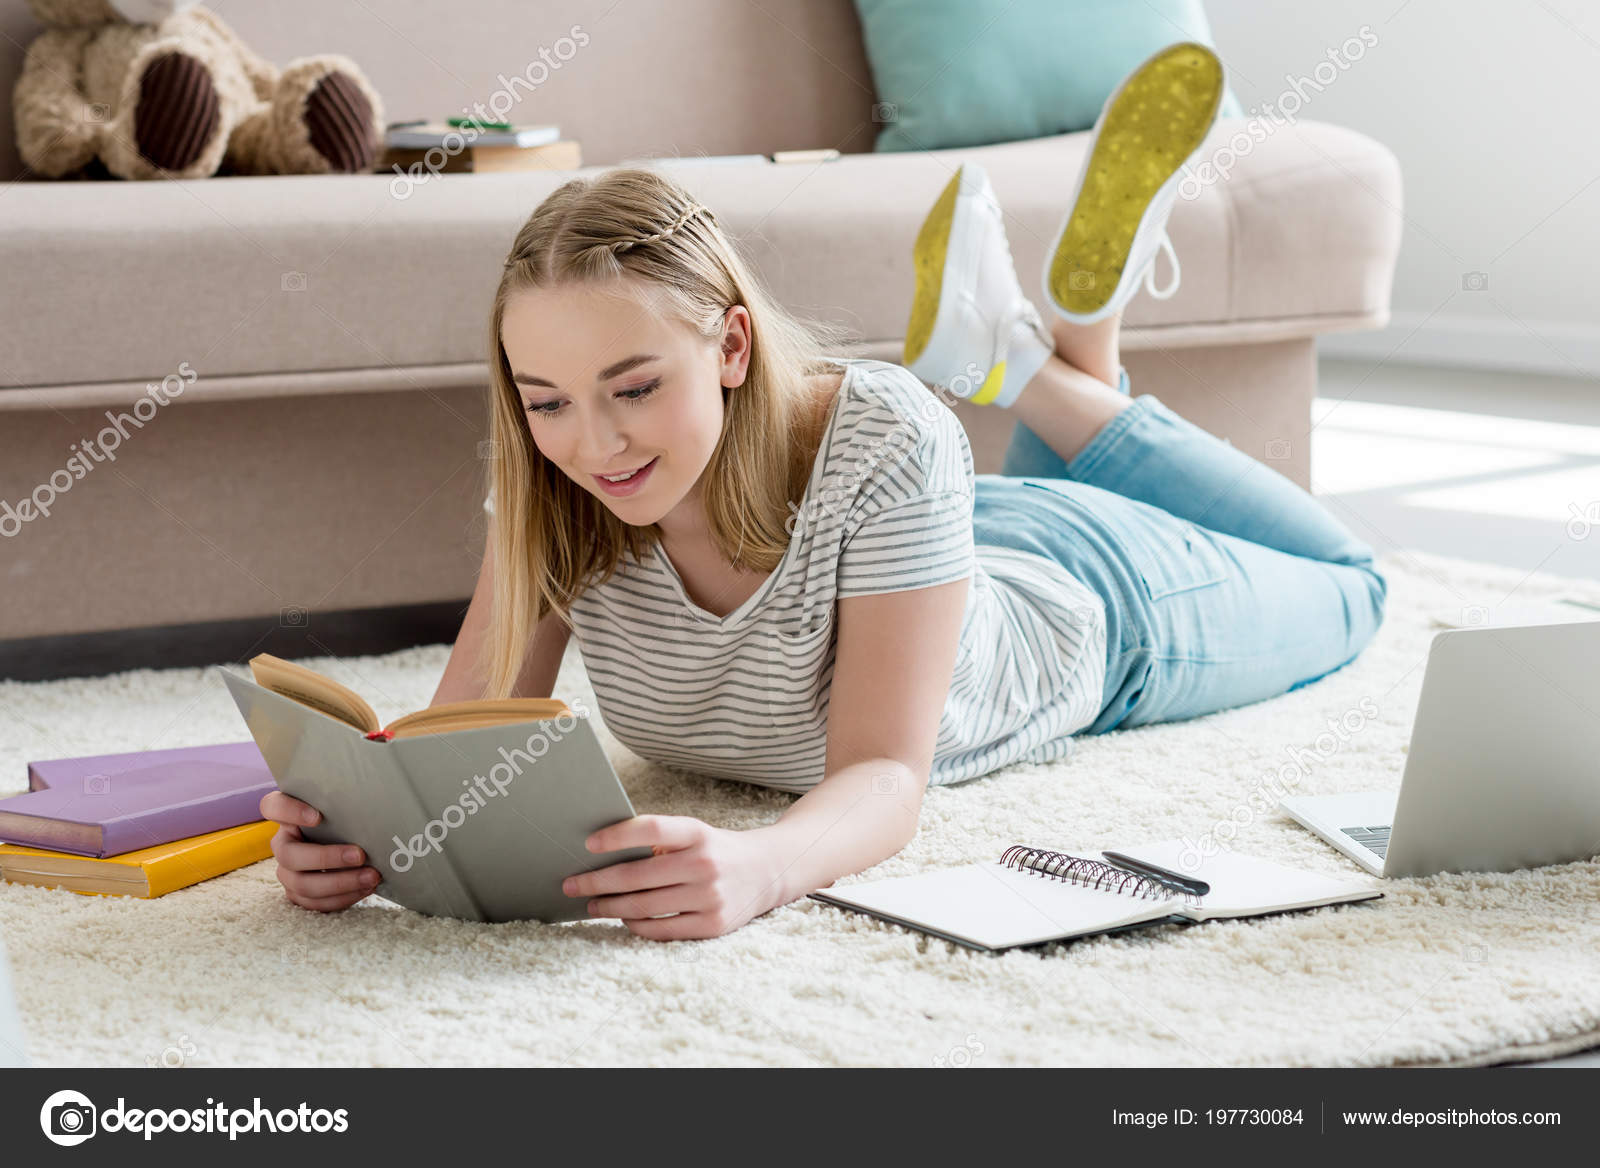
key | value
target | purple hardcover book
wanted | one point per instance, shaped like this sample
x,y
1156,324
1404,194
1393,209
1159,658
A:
x,y
107,804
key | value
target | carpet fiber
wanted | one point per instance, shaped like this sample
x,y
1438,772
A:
x,y
1457,969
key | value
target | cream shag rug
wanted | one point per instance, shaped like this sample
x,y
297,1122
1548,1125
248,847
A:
x,y
1454,969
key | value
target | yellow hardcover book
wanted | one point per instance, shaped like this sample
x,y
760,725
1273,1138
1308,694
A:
x,y
146,873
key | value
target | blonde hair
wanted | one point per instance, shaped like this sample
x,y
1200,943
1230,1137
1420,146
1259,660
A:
x,y
636,227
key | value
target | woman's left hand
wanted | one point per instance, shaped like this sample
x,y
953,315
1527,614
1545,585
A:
x,y
712,878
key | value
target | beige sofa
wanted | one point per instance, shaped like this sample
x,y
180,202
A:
x,y
328,337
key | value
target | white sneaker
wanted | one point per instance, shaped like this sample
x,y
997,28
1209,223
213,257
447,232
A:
x,y
972,331
1148,129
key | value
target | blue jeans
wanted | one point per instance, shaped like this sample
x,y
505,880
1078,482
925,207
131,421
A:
x,y
1224,582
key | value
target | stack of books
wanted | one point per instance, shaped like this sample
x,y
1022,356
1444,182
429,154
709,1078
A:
x,y
140,824
466,145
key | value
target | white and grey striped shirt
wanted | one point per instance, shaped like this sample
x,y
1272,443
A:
x,y
888,508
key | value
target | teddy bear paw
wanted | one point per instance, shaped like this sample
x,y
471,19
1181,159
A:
x,y
179,112
339,121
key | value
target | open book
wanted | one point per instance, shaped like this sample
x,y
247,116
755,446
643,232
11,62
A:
x,y
1031,895
476,810
320,692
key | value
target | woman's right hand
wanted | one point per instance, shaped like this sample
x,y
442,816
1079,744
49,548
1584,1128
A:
x,y
323,877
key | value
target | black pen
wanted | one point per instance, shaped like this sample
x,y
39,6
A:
x,y
1165,875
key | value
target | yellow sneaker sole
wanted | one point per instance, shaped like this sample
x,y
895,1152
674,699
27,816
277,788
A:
x,y
1158,119
928,256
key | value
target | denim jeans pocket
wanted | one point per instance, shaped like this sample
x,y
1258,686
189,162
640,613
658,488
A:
x,y
1186,561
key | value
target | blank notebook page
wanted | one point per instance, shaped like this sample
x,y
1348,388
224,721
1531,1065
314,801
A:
x,y
994,905
1244,885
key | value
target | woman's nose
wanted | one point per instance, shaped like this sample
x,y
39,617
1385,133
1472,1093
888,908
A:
x,y
599,440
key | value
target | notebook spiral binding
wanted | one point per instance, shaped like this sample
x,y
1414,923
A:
x,y
1093,874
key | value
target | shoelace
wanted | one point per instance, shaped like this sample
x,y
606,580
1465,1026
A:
x,y
1150,272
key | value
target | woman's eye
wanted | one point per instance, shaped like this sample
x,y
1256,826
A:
x,y
638,393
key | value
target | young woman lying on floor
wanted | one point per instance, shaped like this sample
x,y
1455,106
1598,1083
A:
x,y
780,566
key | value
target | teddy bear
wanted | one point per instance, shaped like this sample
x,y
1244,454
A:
x,y
165,89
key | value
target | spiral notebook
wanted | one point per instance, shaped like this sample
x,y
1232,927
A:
x,y
1031,895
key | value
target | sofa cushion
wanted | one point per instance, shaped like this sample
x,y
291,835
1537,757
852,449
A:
x,y
954,73
338,276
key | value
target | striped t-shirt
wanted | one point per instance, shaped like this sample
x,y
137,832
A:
x,y
888,508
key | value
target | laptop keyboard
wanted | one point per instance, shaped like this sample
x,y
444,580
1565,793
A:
x,y
1374,839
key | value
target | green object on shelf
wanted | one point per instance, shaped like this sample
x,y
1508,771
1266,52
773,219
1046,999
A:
x,y
481,125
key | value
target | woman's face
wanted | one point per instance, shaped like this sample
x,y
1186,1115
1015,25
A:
x,y
610,384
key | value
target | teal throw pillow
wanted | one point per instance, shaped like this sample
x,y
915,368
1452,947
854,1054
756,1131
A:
x,y
971,72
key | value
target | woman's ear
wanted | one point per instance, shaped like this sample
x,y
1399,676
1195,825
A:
x,y
736,338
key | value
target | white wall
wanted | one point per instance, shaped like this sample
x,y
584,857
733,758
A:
x,y
1493,108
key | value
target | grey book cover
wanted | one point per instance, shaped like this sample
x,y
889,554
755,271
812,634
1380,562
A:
x,y
482,825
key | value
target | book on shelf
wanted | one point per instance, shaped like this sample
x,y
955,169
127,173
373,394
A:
x,y
146,872
1032,895
107,804
423,135
475,809
476,159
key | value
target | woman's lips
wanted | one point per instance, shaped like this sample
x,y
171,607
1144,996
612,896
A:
x,y
627,486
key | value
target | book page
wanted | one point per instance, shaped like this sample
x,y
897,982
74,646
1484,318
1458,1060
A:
x,y
1243,886
471,715
310,688
997,906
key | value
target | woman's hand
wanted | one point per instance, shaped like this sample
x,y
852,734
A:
x,y
713,879
324,877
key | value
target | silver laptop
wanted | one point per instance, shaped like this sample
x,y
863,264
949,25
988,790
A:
x,y
1503,770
